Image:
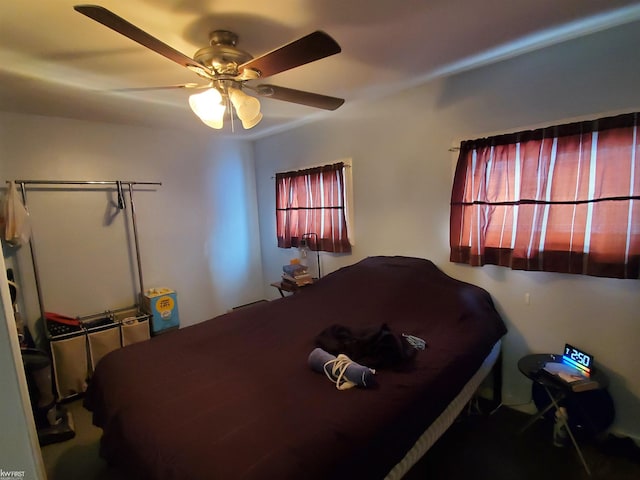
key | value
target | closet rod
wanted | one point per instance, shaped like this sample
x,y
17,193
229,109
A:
x,y
84,182
118,184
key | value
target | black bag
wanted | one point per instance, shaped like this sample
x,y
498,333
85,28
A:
x,y
374,347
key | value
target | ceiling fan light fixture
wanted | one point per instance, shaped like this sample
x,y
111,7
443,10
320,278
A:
x,y
247,124
247,107
217,124
208,106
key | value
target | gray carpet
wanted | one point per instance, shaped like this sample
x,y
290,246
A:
x,y
480,446
78,458
477,446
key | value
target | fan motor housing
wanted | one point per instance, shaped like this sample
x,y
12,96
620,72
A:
x,y
222,56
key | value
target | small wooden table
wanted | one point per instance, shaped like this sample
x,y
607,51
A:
x,y
287,287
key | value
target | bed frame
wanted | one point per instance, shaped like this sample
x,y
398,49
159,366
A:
x,y
492,365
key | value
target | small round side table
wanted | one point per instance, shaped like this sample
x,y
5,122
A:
x,y
532,366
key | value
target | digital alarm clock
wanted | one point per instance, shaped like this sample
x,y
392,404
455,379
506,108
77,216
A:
x,y
577,358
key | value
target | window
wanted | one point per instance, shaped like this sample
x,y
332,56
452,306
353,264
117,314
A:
x,y
560,199
313,201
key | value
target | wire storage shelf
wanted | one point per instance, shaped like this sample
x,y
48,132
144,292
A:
x,y
78,344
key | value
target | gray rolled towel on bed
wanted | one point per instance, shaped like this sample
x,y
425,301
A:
x,y
341,370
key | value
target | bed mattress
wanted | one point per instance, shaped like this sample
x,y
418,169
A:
x,y
234,397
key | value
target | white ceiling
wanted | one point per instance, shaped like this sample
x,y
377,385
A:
x,y
57,62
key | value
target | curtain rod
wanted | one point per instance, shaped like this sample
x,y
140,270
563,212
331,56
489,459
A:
x,y
84,182
346,165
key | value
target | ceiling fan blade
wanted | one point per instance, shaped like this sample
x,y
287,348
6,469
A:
x,y
184,86
298,96
307,49
120,25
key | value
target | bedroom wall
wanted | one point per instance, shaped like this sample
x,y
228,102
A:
x,y
402,173
196,231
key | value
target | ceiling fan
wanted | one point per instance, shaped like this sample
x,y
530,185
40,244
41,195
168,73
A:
x,y
227,69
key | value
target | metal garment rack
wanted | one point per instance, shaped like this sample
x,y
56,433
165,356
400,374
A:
x,y
121,205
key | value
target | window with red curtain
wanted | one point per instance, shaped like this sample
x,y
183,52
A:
x,y
557,199
312,201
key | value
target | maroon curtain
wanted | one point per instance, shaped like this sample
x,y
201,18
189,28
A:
x,y
312,201
561,199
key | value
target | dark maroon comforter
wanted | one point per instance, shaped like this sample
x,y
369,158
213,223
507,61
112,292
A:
x,y
233,397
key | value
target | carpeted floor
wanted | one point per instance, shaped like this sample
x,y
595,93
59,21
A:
x,y
78,458
478,446
489,447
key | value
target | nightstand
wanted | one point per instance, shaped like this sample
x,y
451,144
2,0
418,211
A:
x,y
532,366
287,287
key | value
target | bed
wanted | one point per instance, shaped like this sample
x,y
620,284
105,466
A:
x,y
234,396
